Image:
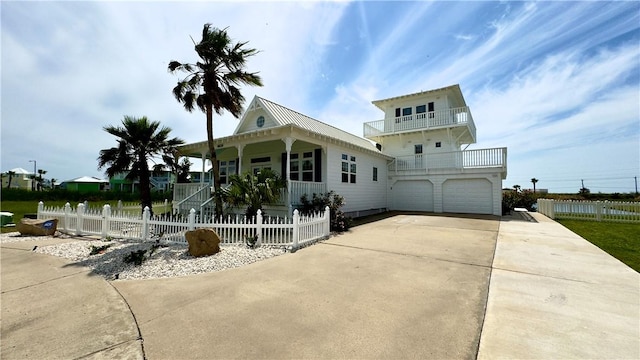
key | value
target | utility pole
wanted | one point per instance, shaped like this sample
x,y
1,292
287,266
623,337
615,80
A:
x,y
636,179
582,180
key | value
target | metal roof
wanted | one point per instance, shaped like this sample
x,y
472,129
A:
x,y
285,116
455,89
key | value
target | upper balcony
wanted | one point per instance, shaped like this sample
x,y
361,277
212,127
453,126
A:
x,y
450,118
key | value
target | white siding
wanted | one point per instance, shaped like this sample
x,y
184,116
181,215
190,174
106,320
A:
x,y
473,196
404,145
365,194
412,195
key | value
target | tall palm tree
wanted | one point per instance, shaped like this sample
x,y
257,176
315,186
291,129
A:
x,y
40,178
534,181
139,141
212,84
10,174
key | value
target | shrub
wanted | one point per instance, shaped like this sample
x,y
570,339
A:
x,y
338,220
135,257
512,199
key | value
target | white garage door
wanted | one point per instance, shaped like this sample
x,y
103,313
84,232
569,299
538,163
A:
x,y
468,196
412,195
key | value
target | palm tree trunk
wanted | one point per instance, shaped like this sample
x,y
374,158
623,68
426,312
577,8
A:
x,y
145,185
214,161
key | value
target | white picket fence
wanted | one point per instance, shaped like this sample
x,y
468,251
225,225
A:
x,y
292,232
614,211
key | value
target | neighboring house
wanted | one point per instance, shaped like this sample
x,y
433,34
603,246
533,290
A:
x,y
85,184
159,182
412,160
21,179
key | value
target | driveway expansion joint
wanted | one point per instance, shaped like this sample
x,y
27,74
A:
x,y
135,320
409,255
46,281
109,348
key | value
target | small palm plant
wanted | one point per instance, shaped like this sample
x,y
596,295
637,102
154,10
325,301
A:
x,y
254,190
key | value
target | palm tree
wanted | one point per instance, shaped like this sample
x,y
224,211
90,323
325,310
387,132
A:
x,y
253,191
517,187
139,142
212,84
53,183
40,178
534,181
10,175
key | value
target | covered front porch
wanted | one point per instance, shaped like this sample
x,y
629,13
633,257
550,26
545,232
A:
x,y
300,162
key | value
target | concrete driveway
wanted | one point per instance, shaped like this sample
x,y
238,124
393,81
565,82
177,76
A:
x,y
408,286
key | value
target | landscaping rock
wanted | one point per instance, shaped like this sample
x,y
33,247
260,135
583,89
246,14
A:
x,y
203,242
42,227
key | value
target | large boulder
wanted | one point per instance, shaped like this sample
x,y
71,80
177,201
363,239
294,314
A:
x,y
37,227
203,242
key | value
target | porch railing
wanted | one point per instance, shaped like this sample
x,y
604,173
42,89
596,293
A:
x,y
192,201
443,118
291,232
468,159
299,188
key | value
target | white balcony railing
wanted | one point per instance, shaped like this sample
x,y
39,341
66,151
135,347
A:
x,y
436,119
469,159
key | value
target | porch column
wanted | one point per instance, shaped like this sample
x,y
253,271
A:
x,y
204,161
239,164
288,142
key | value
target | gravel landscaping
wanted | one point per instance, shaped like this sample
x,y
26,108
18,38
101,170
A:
x,y
159,261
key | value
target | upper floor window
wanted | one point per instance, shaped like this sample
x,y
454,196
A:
x,y
438,144
417,149
421,109
397,112
375,173
406,111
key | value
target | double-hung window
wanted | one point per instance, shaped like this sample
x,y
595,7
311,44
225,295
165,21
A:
x,y
301,166
227,168
348,169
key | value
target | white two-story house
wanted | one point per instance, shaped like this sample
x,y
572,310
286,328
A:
x,y
414,159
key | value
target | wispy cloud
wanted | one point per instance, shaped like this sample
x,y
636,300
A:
x,y
540,77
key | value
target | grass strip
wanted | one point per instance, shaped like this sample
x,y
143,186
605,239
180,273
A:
x,y
620,240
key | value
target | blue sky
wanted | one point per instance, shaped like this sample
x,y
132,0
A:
x,y
557,83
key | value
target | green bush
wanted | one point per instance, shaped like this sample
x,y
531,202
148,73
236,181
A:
x,y
517,199
74,196
339,222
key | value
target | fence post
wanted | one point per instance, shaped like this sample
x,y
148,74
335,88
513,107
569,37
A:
x,y
192,219
67,216
327,221
146,214
259,227
80,219
166,203
119,205
86,205
40,209
296,230
106,220
598,211
552,209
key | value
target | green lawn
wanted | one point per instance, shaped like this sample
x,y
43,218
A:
x,y
19,208
620,240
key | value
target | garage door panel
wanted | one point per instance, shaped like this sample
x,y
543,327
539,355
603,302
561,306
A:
x,y
472,196
412,195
